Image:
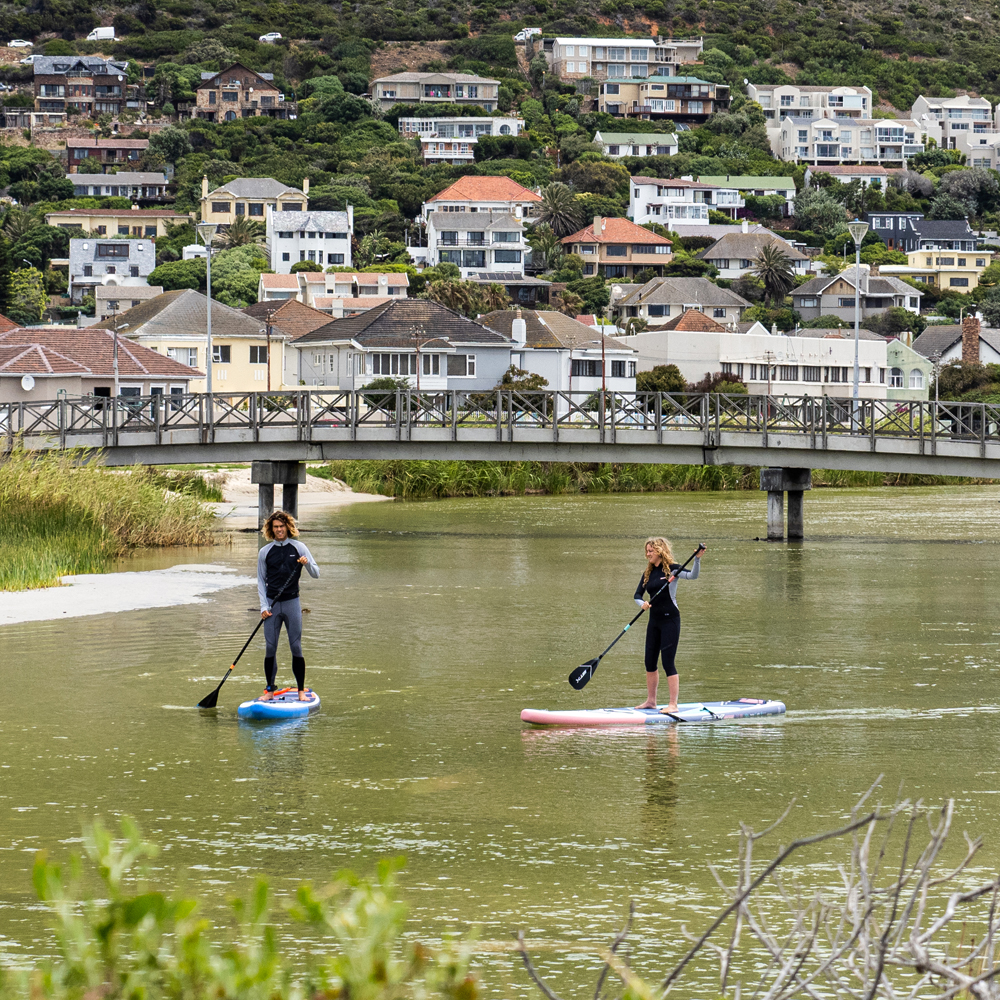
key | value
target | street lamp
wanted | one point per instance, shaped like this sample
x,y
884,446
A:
x,y
114,327
207,231
419,343
857,229
604,381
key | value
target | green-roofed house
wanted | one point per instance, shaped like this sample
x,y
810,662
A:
x,y
619,144
757,186
687,99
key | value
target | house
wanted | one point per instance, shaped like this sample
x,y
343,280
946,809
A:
x,y
279,288
617,145
945,234
322,237
834,295
735,254
238,92
524,290
813,362
431,347
574,59
80,362
112,154
338,294
146,222
111,300
618,248
484,194
570,355
659,300
962,123
847,140
250,197
680,202
678,98
781,100
909,373
90,84
479,242
943,269
174,324
290,317
140,186
435,88
969,342
869,175
757,186
112,263
453,140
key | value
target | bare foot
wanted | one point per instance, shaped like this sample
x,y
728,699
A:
x,y
647,704
669,710
303,696
266,696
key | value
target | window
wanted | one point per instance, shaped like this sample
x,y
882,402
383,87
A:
x,y
616,250
258,355
111,269
788,373
588,269
650,248
123,231
618,369
221,354
230,96
896,378
149,231
506,237
462,365
134,271
810,373
449,238
722,263
587,248
222,206
185,355
473,258
980,262
844,303
916,378
394,364
612,88
286,256
656,311
241,209
335,258
959,282
507,256
961,262
719,313
614,270
431,364
450,256
112,249
585,368
256,208
88,270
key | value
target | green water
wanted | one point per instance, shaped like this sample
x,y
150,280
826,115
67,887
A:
x,y
434,624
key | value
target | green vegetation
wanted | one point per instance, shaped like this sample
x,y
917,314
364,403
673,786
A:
x,y
59,517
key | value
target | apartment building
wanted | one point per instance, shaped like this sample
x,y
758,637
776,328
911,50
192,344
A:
x,y
663,299
238,92
835,295
619,58
847,140
108,262
453,140
140,186
435,88
146,222
686,99
961,123
782,100
617,145
90,84
321,237
868,174
484,194
943,269
618,248
112,154
252,197
479,243
680,202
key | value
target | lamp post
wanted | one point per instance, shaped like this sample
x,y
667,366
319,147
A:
x,y
114,327
207,231
604,380
419,343
857,229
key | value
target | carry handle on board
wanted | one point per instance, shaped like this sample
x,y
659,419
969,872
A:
x,y
581,676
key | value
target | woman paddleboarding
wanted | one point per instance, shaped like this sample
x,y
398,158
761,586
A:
x,y
279,566
663,630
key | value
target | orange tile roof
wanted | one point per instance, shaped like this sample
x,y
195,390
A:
x,y
6,324
693,321
289,316
34,359
474,188
615,230
280,281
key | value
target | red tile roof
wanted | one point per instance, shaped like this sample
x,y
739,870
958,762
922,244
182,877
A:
x,y
473,188
693,321
33,359
615,230
108,143
280,281
291,316
6,324
90,351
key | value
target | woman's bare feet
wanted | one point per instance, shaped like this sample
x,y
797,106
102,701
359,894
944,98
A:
x,y
266,696
647,704
303,696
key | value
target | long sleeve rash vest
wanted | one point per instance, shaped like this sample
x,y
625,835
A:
x,y
278,567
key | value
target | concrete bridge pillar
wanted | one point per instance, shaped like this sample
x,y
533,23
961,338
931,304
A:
x,y
288,475
777,482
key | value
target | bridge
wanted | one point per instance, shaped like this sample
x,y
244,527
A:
x,y
317,425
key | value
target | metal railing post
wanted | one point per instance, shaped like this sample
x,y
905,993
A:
x,y
600,411
659,417
499,418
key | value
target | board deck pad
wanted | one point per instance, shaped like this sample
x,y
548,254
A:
x,y
698,711
284,705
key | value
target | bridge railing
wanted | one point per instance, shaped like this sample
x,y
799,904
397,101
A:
x,y
813,420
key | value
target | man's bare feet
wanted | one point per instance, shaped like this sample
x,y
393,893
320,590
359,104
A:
x,y
647,704
303,696
669,710
266,696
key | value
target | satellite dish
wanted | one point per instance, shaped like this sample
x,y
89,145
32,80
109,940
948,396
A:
x,y
27,383
120,78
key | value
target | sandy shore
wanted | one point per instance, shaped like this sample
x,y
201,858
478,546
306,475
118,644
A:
x,y
100,593
239,508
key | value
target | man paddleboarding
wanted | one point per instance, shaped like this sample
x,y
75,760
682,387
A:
x,y
663,629
279,566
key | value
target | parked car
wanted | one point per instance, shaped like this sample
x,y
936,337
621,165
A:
x,y
525,33
19,43
271,36
28,60
101,35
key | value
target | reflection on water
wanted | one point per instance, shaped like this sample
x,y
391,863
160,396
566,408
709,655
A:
x,y
434,624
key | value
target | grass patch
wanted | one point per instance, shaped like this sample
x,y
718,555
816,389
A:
x,y
57,517
412,480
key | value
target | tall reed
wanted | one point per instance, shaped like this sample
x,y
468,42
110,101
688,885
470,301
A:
x,y
58,516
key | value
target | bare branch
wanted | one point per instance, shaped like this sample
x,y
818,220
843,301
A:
x,y
539,982
615,945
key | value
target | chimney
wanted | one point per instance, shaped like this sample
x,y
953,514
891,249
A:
x,y
204,185
970,340
305,187
519,330
746,226
598,224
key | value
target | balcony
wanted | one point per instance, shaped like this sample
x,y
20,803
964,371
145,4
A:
x,y
469,241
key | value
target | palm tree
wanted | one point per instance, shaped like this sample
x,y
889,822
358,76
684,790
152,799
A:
x,y
570,303
493,297
560,209
545,247
774,268
242,232
461,296
18,223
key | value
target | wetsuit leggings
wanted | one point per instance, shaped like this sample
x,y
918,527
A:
x,y
289,614
662,636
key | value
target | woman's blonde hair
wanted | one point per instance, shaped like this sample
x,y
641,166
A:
x,y
286,519
662,546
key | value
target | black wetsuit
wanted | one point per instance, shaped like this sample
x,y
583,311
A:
x,y
663,630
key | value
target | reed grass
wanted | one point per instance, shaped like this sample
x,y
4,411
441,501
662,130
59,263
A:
x,y
413,480
58,516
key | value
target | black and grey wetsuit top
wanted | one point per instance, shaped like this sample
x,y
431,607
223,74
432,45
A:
x,y
278,566
666,605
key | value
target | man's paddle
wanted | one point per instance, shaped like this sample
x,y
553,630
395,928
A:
x,y
580,677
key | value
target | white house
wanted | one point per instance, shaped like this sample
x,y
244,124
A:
x,y
780,100
749,184
735,253
847,140
961,123
610,58
480,243
340,294
453,140
322,237
680,202
485,194
662,299
108,262
617,145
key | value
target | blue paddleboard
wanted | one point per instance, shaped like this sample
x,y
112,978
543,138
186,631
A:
x,y
284,705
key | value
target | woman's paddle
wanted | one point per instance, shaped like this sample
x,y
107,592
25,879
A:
x,y
580,677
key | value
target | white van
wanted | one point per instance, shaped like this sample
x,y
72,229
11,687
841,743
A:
x,y
101,35
525,33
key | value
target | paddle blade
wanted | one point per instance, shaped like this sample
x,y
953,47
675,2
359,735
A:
x,y
211,700
580,677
